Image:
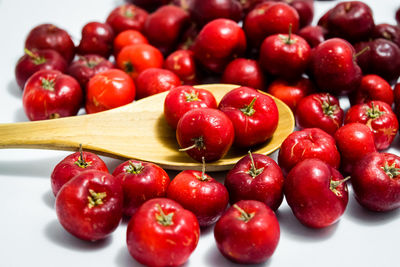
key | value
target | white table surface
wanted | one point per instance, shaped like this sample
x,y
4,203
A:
x,y
30,234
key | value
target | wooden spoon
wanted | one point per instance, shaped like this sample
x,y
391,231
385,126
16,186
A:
x,y
134,131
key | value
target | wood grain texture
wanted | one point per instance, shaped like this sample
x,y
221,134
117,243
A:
x,y
137,130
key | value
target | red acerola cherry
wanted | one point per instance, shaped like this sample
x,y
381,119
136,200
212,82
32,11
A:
x,y
49,36
205,132
316,193
305,144
244,72
218,43
97,38
127,17
253,223
267,19
33,61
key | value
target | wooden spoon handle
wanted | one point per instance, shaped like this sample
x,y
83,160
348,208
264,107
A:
x,y
47,134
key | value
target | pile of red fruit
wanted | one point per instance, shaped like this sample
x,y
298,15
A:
x,y
147,47
166,216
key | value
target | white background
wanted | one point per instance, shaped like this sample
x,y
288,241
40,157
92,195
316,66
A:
x,y
30,234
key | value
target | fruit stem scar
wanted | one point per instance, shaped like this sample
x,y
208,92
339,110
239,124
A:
x,y
347,7
162,218
192,96
91,64
387,35
253,172
374,112
36,59
198,143
128,67
244,216
391,170
95,199
249,110
81,162
134,168
334,184
48,84
129,13
328,108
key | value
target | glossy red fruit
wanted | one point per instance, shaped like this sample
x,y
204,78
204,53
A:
x,y
379,117
181,62
381,58
85,67
204,11
205,132
97,38
169,20
162,233
152,81
372,87
267,19
376,181
201,194
181,99
256,232
33,61
351,20
305,144
320,110
256,177
254,115
285,55
128,37
218,43
316,193
314,35
334,68
305,9
109,89
49,36
50,94
90,205
354,141
134,59
291,92
127,17
140,181
244,72
73,165
388,32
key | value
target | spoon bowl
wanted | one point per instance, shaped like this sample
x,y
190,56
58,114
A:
x,y
134,131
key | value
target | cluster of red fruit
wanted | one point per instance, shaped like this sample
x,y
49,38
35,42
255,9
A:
x,y
245,117
166,216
